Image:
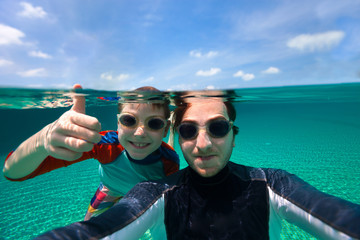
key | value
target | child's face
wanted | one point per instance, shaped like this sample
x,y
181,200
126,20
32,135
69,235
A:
x,y
139,140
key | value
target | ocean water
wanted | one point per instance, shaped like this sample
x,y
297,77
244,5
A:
x,y
311,131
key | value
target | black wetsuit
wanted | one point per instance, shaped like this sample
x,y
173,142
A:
x,y
238,203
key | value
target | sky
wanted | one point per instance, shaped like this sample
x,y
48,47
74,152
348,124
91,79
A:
x,y
178,45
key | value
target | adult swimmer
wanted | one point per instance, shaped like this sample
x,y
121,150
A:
x,y
215,198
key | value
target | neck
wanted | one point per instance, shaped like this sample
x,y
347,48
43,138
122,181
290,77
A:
x,y
210,181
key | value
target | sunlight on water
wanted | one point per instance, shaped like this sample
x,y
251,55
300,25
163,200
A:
x,y
311,131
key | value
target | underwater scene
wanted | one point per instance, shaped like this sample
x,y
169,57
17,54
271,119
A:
x,y
312,131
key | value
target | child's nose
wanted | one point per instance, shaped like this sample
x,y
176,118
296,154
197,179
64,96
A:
x,y
139,131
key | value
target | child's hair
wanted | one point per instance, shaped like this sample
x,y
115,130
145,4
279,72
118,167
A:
x,y
149,90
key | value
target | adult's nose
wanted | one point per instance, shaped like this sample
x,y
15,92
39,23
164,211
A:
x,y
203,141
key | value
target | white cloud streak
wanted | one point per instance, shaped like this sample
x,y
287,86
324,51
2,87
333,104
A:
x,y
199,54
210,87
39,54
38,72
316,42
110,77
29,11
271,70
244,76
4,63
211,72
10,35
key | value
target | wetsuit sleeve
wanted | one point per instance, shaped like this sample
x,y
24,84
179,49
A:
x,y
141,209
320,214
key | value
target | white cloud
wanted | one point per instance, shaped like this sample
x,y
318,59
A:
x,y
248,77
10,35
30,11
4,62
199,54
244,76
316,42
239,74
38,72
211,72
210,87
39,54
183,86
122,77
106,76
151,19
271,70
110,77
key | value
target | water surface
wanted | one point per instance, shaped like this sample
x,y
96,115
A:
x,y
311,131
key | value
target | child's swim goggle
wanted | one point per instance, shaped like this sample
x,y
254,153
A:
x,y
216,128
151,123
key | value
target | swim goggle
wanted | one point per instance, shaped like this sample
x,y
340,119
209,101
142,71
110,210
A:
x,y
216,128
151,123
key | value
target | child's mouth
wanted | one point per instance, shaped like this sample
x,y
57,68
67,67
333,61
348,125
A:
x,y
139,145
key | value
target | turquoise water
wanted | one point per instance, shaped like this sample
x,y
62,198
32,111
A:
x,y
312,131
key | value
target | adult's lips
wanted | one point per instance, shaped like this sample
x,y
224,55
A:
x,y
205,157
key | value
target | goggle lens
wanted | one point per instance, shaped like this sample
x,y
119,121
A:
x,y
153,123
127,120
217,129
188,130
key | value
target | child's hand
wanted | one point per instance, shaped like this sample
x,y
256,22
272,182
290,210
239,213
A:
x,y
73,133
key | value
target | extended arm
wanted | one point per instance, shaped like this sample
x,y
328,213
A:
x,y
141,209
66,138
320,214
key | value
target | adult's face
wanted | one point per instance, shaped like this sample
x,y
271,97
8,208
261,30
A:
x,y
206,154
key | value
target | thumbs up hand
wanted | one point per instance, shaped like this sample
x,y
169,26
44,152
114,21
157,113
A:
x,y
73,133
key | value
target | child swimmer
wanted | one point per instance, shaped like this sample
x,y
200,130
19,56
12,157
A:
x,y
133,154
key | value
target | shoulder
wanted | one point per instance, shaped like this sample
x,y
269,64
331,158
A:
x,y
169,153
270,175
109,148
109,136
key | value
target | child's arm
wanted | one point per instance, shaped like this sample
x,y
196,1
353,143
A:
x,y
66,138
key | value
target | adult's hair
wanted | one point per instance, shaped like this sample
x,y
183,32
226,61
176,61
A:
x,y
148,90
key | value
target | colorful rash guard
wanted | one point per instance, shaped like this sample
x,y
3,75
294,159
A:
x,y
238,203
118,172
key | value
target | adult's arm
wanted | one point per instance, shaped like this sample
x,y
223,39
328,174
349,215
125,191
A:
x,y
322,215
142,208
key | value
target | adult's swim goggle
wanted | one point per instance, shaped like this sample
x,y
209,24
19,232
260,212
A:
x,y
216,128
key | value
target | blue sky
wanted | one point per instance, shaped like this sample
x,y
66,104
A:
x,y
178,45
